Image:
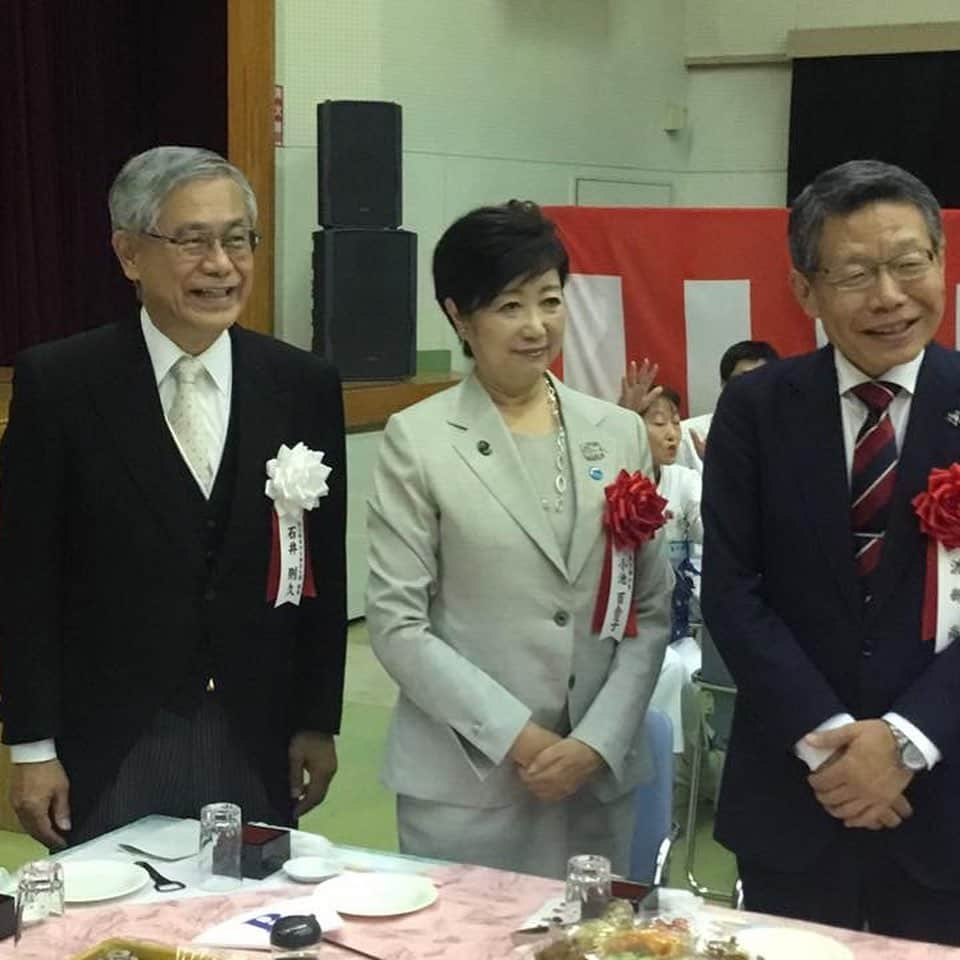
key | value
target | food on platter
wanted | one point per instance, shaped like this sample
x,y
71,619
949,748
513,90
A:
x,y
655,940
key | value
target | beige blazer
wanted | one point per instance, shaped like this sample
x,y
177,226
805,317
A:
x,y
477,616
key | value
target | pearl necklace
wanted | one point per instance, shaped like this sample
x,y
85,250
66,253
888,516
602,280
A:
x,y
560,481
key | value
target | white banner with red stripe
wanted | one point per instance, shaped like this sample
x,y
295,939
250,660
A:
x,y
680,285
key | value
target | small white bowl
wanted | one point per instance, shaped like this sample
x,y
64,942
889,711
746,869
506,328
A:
x,y
312,869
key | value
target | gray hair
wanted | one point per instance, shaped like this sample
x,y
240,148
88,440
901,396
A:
x,y
847,188
138,192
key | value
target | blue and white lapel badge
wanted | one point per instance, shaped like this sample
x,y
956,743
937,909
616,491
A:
x,y
592,450
953,418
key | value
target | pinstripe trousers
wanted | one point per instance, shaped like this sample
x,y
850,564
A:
x,y
179,764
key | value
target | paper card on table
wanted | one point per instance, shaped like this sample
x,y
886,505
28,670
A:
x,y
250,930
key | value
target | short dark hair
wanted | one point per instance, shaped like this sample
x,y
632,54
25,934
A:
x,y
845,189
745,350
669,394
487,248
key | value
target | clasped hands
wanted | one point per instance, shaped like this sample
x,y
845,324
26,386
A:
x,y
862,784
552,767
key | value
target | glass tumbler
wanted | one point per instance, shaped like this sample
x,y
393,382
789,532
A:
x,y
39,892
221,844
588,887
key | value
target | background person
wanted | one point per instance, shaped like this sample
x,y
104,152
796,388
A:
x,y
738,359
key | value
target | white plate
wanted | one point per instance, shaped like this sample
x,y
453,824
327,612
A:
x,y
789,943
86,881
378,894
312,869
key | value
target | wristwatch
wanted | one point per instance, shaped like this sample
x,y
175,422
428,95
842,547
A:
x,y
910,756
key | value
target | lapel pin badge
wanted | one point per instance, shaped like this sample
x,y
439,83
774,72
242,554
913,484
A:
x,y
484,447
953,418
592,450
596,473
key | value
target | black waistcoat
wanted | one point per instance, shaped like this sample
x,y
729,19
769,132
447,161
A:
x,y
210,518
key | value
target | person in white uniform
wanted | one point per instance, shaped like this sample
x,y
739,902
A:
x,y
680,487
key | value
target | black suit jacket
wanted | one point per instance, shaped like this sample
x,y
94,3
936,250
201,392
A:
x,y
105,590
781,598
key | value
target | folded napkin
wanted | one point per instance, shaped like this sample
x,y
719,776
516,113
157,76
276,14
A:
x,y
172,841
250,930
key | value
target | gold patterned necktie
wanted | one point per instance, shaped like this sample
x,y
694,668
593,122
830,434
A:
x,y
186,419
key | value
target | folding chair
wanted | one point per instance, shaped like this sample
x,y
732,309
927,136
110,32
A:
x,y
653,832
714,678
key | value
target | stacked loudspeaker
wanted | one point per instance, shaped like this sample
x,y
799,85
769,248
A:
x,y
364,266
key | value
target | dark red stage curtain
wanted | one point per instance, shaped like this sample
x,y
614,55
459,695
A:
x,y
85,85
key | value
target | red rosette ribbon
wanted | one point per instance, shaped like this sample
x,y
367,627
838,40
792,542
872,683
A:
x,y
633,513
938,510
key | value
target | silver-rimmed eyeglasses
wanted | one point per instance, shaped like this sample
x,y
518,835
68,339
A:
x,y
236,244
863,274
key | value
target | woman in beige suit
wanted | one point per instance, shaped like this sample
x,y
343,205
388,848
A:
x,y
516,740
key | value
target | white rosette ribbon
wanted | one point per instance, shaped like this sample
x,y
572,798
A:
x,y
296,480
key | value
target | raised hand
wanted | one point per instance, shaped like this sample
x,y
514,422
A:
x,y
636,386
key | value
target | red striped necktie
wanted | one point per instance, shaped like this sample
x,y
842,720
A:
x,y
873,476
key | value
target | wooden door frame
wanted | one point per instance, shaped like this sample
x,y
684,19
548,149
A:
x,y
250,83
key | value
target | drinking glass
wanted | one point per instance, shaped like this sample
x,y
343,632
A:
x,y
588,886
221,844
39,892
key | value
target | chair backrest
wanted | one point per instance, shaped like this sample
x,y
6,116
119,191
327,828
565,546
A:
x,y
712,668
653,800
715,672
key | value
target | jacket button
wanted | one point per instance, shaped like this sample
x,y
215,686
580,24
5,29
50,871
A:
x,y
571,681
561,618
209,594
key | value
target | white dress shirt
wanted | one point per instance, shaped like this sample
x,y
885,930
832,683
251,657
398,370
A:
x,y
853,412
214,391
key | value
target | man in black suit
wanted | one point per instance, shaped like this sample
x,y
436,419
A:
x,y
841,784
145,666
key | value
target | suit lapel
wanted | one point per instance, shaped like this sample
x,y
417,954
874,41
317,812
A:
x,y
259,413
930,441
127,401
478,426
583,438
815,428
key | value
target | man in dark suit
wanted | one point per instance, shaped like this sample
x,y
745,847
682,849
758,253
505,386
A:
x,y
841,783
144,669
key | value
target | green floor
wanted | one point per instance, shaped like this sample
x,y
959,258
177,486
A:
x,y
359,811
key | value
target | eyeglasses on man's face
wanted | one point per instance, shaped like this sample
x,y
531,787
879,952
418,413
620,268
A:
x,y
237,243
859,275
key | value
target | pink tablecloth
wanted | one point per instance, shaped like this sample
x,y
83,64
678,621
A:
x,y
473,919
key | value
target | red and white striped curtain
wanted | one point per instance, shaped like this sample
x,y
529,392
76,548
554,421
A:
x,y
680,286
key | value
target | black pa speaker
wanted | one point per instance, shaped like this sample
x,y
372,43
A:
x,y
365,302
358,163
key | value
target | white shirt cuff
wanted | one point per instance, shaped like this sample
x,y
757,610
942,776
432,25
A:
x,y
929,750
815,757
39,751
